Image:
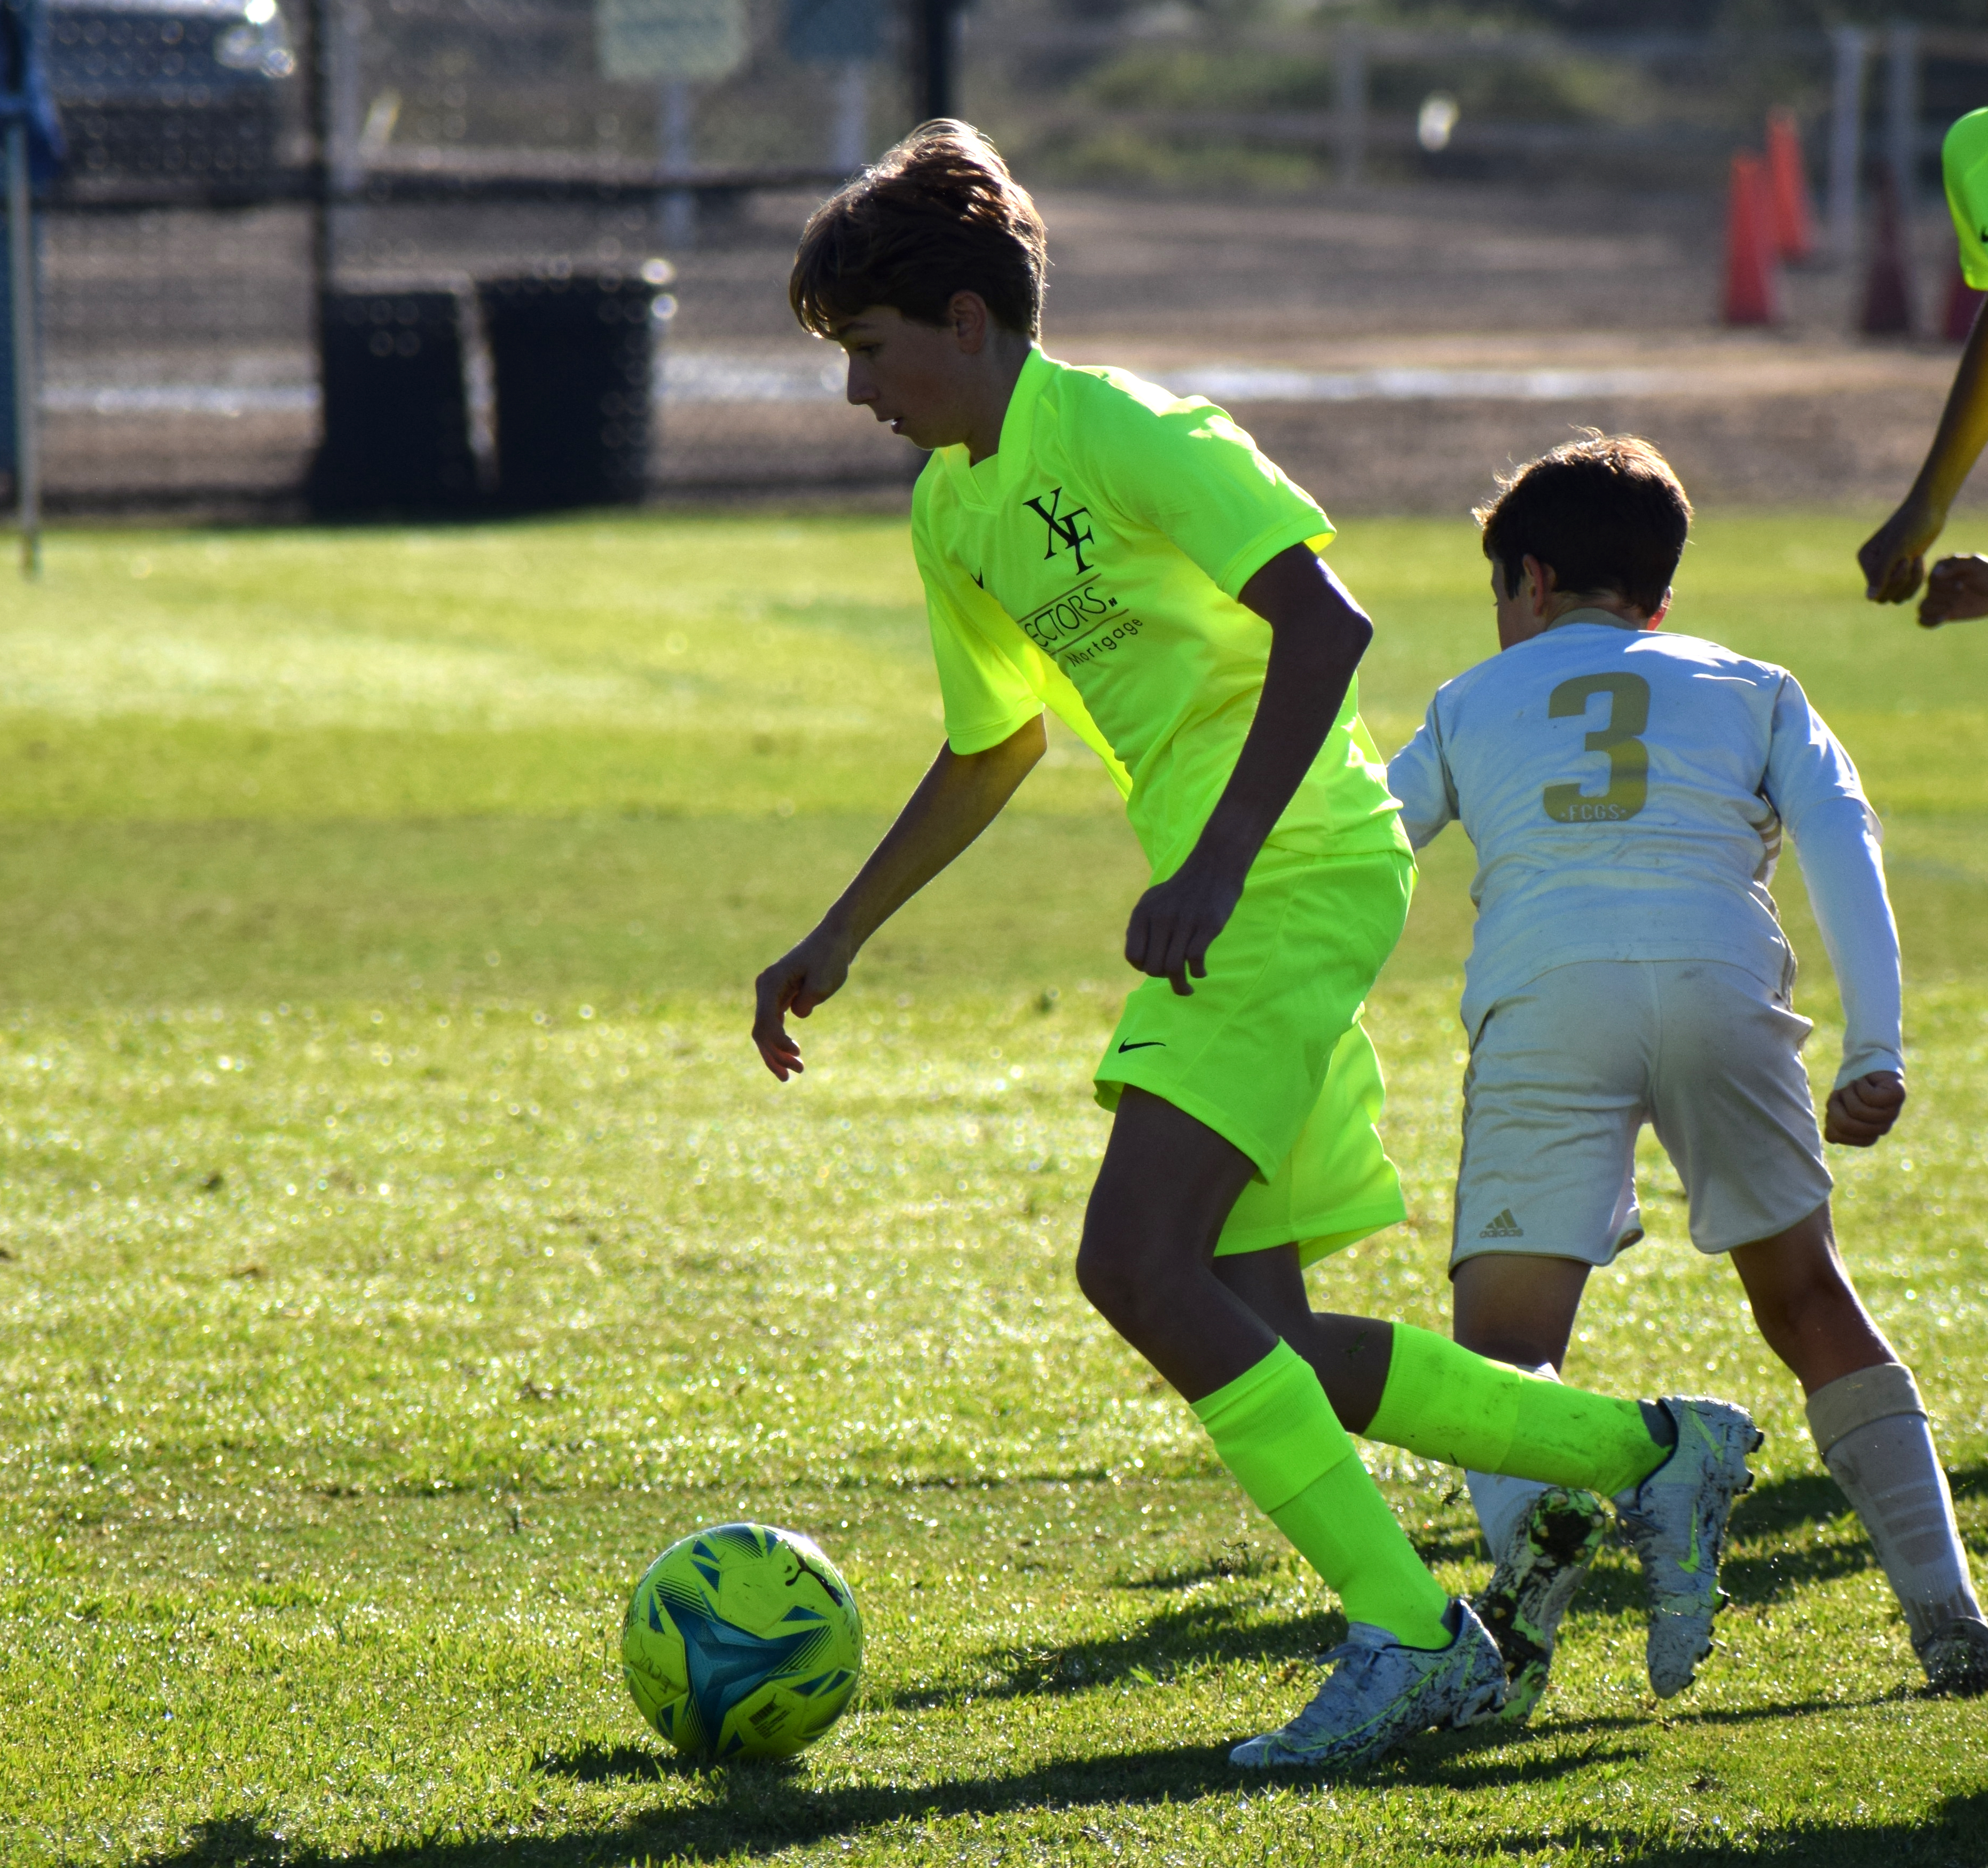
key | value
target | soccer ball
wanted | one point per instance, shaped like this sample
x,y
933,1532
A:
x,y
741,1641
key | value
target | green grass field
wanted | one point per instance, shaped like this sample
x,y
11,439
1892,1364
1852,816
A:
x,y
400,1243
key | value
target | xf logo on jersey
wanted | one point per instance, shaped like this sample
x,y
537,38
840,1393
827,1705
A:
x,y
1063,529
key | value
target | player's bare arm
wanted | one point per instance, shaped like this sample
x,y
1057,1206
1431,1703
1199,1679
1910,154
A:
x,y
955,800
1861,1112
1318,635
1893,558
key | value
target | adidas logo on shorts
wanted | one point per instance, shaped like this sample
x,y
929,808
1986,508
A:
x,y
1504,1226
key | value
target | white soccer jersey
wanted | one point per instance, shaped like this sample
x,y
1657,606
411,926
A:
x,y
1626,791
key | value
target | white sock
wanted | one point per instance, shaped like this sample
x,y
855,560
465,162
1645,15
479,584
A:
x,y
1502,1503
1890,1471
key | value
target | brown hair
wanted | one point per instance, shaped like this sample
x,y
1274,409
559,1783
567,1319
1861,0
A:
x,y
1605,513
937,214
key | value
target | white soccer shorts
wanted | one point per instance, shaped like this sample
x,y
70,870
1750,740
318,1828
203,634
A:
x,y
1565,1072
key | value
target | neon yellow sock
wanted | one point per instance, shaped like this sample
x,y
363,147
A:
x,y
1443,1403
1276,1431
1347,1531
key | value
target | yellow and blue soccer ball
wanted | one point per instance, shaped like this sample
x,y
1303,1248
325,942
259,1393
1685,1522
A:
x,y
741,1641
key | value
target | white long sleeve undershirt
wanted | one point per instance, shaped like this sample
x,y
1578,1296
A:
x,y
1843,867
1667,856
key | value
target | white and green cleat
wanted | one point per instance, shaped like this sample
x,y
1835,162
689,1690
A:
x,y
1528,1591
1675,1522
1380,1694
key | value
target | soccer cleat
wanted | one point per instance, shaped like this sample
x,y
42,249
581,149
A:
x,y
1529,1590
1955,1657
1675,1521
1380,1694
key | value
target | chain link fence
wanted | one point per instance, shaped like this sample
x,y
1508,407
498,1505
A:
x,y
270,208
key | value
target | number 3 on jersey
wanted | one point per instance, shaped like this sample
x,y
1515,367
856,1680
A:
x,y
1628,757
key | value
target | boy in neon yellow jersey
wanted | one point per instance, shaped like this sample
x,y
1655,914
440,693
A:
x,y
1090,544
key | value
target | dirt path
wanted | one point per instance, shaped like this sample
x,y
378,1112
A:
x,y
1392,347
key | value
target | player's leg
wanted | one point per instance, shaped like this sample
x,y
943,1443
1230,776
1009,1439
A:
x,y
1562,1075
1871,1428
1672,1469
1555,1095
1520,1308
1806,1306
1413,1658
1412,1388
1737,1114
1544,1539
1210,1090
1552,1101
1394,1382
1165,1186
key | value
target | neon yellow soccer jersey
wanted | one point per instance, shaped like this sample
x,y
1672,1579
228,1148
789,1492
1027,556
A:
x,y
1964,165
1092,565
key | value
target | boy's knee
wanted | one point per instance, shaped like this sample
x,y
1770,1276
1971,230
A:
x,y
1103,1275
1090,1275
1517,1308
1120,1279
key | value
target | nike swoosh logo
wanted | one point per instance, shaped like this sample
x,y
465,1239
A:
x,y
1145,1043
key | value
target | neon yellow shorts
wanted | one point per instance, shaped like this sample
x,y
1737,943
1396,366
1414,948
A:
x,y
1269,1052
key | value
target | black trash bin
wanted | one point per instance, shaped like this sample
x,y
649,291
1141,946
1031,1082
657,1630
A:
x,y
396,434
570,362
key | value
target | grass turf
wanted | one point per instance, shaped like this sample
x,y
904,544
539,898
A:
x,y
400,1243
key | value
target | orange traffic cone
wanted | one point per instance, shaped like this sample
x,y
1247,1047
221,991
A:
x,y
1888,285
1751,294
1963,305
1794,215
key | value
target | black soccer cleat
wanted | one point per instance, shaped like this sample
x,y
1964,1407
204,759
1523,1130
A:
x,y
1529,1590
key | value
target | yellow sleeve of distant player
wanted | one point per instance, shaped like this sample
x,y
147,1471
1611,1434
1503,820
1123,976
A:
x,y
1964,165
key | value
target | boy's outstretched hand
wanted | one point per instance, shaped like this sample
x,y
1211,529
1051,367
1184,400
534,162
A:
x,y
1893,557
1175,922
1957,591
797,982
1863,1110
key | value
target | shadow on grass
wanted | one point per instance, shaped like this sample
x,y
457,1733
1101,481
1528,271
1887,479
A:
x,y
1713,1715
1950,1838
1237,1559
616,1764
1164,1645
755,1812
1194,1632
1459,1543
762,1809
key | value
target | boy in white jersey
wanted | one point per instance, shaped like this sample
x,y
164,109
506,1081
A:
x,y
1089,543
1627,792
